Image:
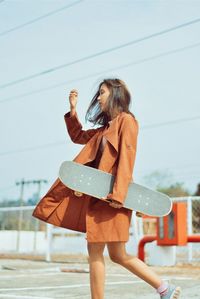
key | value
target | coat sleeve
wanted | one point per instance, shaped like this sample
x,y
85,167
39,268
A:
x,y
126,159
75,131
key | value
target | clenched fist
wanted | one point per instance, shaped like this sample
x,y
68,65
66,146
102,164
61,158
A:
x,y
73,97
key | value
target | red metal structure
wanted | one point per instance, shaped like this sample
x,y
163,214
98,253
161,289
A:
x,y
172,229
147,239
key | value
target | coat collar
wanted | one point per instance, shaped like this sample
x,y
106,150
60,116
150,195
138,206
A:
x,y
111,134
88,153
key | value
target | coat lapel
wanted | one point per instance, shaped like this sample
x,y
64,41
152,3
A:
x,y
88,153
111,134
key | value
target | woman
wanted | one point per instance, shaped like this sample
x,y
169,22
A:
x,y
111,148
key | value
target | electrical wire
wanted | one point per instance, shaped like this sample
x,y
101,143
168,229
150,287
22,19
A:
x,y
137,62
173,175
172,122
8,188
136,41
39,18
27,149
54,144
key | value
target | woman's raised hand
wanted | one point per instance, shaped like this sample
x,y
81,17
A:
x,y
73,97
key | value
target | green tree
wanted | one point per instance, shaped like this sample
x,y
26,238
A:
x,y
164,182
175,190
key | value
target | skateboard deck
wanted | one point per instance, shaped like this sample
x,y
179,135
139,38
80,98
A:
x,y
97,183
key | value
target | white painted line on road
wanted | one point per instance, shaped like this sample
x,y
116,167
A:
x,y
53,273
2,277
22,297
164,278
56,269
107,275
122,275
32,275
78,297
125,282
69,286
180,278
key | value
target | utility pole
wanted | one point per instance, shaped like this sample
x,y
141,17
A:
x,y
39,182
22,183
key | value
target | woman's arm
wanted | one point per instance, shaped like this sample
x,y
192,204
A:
x,y
73,124
126,159
75,131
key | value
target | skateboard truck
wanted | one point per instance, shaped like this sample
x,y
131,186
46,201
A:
x,y
77,193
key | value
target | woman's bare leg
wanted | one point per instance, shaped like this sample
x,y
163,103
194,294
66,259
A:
x,y
117,252
97,269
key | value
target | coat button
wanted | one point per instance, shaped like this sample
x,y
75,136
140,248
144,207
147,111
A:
x,y
79,194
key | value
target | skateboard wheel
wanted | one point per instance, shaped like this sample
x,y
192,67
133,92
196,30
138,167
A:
x,y
109,199
138,214
79,194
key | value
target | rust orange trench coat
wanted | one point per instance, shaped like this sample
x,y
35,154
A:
x,y
101,222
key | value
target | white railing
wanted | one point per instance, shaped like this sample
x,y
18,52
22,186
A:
x,y
41,241
30,241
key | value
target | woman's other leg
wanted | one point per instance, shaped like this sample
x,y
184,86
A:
x,y
97,269
118,254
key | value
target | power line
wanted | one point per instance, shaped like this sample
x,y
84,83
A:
x,y
27,149
177,176
40,18
22,184
170,122
8,188
154,57
53,69
54,144
182,167
191,175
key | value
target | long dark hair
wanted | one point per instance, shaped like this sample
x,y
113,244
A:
x,y
118,101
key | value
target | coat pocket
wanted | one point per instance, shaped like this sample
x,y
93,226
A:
x,y
51,200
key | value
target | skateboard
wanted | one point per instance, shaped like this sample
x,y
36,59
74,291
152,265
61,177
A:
x,y
96,183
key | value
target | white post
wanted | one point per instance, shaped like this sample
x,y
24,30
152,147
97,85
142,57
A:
x,y
49,241
140,227
135,229
189,227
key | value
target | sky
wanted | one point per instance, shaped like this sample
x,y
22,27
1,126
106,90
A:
x,y
162,72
